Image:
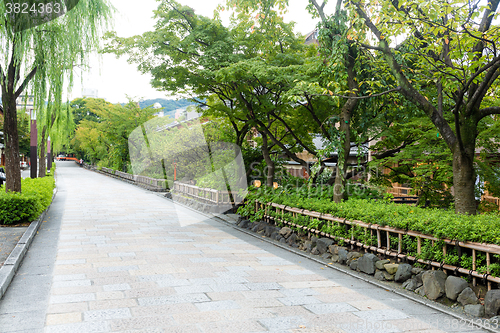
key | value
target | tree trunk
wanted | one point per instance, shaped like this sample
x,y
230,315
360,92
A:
x,y
340,179
11,138
464,182
269,162
345,127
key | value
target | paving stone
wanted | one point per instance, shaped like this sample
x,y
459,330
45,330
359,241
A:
x,y
389,314
63,318
69,277
193,289
283,323
54,299
72,283
327,308
298,300
174,299
263,286
117,268
217,305
299,292
173,282
229,287
116,287
142,323
84,327
106,314
232,327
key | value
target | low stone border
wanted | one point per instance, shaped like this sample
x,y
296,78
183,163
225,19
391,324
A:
x,y
436,280
14,260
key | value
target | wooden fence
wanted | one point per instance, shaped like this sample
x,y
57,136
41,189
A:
x,y
153,183
207,194
202,194
399,191
491,199
384,244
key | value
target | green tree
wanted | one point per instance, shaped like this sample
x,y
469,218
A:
x,y
42,56
243,72
447,65
82,112
23,125
106,141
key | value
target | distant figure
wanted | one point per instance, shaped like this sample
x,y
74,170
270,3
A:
x,y
81,162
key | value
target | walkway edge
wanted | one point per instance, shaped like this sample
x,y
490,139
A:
x,y
14,260
436,306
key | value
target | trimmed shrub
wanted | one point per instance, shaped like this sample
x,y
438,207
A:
x,y
484,228
26,206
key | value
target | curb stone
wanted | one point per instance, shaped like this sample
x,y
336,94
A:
x,y
14,260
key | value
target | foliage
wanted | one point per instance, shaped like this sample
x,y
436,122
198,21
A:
x,y
242,72
41,60
442,57
81,110
23,130
106,140
421,160
439,223
196,152
18,207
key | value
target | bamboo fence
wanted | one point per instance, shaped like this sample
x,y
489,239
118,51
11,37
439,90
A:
x,y
388,248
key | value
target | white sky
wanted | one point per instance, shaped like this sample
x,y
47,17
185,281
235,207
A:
x,y
115,78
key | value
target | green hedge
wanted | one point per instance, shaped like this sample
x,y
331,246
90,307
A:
x,y
484,228
36,196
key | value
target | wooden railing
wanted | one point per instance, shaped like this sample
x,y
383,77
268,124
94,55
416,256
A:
x,y
124,175
203,194
491,199
207,194
153,183
384,244
399,191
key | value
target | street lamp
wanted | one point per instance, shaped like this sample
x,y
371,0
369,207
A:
x,y
49,155
33,143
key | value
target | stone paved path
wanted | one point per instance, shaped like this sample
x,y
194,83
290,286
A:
x,y
112,257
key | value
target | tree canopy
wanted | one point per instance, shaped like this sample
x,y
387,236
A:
x,y
41,57
443,57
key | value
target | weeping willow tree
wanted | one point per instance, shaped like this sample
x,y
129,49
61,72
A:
x,y
39,54
54,120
